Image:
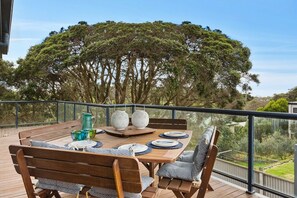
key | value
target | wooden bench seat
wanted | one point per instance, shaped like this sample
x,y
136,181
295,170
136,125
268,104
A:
x,y
98,170
48,133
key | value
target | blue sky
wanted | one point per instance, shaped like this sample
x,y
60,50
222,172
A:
x,y
267,27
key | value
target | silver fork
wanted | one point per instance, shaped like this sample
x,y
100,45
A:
x,y
131,147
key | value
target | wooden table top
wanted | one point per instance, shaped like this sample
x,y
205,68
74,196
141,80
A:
x,y
156,156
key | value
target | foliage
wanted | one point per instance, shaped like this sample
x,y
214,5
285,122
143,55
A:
x,y
293,127
291,95
160,63
273,146
230,140
239,118
6,80
280,105
269,141
263,128
276,145
256,102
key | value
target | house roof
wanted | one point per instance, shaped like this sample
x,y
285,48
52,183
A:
x,y
6,7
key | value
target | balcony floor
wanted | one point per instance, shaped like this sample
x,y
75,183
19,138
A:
x,y
11,184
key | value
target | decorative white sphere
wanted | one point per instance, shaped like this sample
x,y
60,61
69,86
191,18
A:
x,y
140,119
120,120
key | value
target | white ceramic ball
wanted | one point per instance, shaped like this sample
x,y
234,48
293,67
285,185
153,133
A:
x,y
120,120
140,119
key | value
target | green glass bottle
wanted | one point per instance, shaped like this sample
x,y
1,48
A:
x,y
86,121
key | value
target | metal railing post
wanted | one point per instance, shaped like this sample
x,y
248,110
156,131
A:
x,y
295,170
74,111
88,109
16,115
57,111
107,116
173,114
250,154
133,108
64,112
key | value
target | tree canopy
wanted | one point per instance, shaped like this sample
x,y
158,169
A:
x,y
158,62
291,95
6,80
280,105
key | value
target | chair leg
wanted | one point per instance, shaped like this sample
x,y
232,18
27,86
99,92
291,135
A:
x,y
49,194
160,164
56,193
192,192
210,188
178,194
25,174
205,178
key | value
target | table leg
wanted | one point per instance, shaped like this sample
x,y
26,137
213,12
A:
x,y
151,168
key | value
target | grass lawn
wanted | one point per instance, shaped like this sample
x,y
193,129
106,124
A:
x,y
257,165
285,171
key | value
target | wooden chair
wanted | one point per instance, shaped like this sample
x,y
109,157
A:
x,y
48,133
98,170
186,189
163,123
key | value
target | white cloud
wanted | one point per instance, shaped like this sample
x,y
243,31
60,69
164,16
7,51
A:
x,y
275,49
279,65
24,39
39,26
274,83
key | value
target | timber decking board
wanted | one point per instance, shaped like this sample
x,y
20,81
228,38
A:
x,y
11,184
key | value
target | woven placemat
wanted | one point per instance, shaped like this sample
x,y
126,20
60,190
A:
x,y
148,150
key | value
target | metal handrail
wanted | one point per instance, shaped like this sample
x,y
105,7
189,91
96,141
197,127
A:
x,y
250,116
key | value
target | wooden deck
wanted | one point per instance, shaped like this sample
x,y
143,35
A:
x,y
11,184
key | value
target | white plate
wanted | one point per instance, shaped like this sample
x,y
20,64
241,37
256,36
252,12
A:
x,y
99,131
164,142
175,134
137,148
82,144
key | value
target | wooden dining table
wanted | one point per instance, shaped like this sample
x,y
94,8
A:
x,y
150,160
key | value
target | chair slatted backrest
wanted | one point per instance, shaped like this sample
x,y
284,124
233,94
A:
x,y
49,133
163,123
209,163
85,168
